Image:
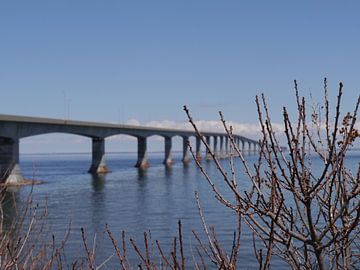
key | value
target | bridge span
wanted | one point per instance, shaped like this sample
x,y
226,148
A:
x,y
13,128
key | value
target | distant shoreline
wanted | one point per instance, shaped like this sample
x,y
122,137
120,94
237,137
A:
x,y
118,152
89,153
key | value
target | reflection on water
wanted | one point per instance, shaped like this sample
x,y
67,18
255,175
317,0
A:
x,y
98,181
129,199
142,174
10,202
168,171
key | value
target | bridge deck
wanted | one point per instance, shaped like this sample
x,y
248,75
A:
x,y
13,128
49,123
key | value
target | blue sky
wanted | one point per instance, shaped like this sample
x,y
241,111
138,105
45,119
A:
x,y
118,60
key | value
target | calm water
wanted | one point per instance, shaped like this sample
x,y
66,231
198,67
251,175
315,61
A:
x,y
131,200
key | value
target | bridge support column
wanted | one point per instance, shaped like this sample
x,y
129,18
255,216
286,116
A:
x,y
208,155
198,149
226,146
186,159
142,162
9,162
222,155
215,144
98,164
242,146
255,147
168,159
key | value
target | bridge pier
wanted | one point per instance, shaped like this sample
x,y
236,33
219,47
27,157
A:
x,y
98,164
142,162
221,150
250,148
198,149
9,162
208,155
168,145
215,145
226,146
186,158
255,145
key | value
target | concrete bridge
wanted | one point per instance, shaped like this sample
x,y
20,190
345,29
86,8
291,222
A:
x,y
13,128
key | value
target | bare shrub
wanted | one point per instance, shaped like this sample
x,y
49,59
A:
x,y
25,239
307,216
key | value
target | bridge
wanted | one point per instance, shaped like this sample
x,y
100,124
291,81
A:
x,y
13,128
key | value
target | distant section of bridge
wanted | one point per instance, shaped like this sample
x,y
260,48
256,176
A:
x,y
13,128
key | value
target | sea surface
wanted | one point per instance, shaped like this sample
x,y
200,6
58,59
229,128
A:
x,y
135,201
